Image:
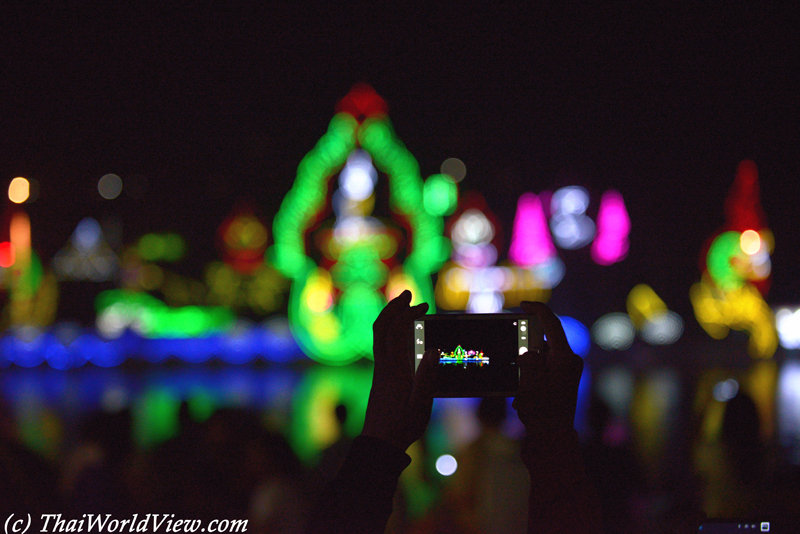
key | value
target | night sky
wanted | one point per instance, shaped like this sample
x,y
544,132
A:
x,y
212,103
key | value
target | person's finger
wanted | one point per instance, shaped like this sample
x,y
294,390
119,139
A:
x,y
390,311
531,369
425,378
420,403
553,330
412,313
387,322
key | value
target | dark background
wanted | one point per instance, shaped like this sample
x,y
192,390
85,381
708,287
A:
x,y
205,104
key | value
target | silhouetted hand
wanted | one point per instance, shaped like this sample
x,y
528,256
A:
x,y
400,402
548,379
561,498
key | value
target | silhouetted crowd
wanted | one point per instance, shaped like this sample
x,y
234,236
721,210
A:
x,y
232,466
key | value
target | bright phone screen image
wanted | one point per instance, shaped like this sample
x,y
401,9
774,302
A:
x,y
477,352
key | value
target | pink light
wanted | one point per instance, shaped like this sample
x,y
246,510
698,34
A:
x,y
531,243
613,226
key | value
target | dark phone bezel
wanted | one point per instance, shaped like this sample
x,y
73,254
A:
x,y
535,341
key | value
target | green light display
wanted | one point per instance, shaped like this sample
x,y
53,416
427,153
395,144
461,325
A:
x,y
152,318
333,303
719,261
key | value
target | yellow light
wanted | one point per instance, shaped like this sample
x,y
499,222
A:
x,y
750,242
325,328
318,292
644,303
19,190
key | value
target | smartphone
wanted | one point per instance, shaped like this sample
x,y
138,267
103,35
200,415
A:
x,y
477,352
740,526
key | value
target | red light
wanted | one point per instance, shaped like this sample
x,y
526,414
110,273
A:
x,y
361,102
7,255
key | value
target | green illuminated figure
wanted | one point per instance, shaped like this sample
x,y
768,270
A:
x,y
344,270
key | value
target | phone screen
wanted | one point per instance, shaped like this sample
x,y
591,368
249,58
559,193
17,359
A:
x,y
477,352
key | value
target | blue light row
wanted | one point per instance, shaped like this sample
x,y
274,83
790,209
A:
x,y
269,342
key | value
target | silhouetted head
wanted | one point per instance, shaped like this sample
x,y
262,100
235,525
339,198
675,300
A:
x,y
341,413
741,437
492,411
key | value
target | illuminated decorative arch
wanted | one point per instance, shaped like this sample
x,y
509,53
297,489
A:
x,y
334,300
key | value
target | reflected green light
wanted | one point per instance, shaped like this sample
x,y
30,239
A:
x,y
313,424
155,417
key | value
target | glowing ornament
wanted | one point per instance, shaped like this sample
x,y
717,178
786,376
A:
x,y
87,256
531,244
343,271
736,270
571,228
613,227
472,281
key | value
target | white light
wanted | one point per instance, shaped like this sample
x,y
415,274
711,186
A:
x,y
358,177
726,390
446,465
788,323
472,228
570,200
662,329
569,224
571,232
614,331
788,407
485,302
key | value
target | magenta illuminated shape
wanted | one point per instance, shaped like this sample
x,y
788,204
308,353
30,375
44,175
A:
x,y
613,226
530,240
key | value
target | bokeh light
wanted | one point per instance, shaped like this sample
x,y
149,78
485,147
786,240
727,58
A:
x,y
643,303
358,177
531,244
446,465
613,227
578,335
19,190
788,407
788,324
7,254
663,328
571,228
109,186
725,390
750,242
454,168
440,195
614,331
